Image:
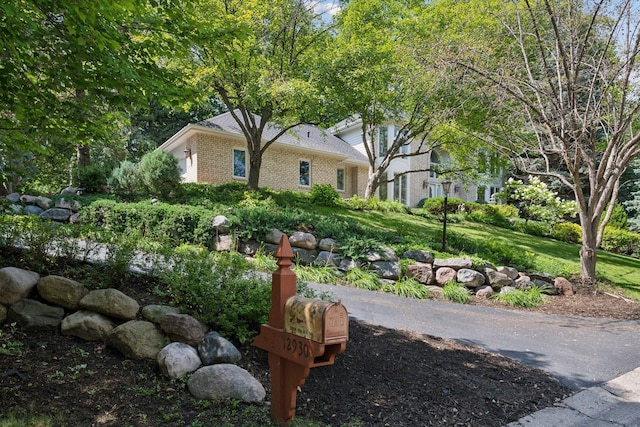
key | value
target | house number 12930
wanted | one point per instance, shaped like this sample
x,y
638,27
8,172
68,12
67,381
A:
x,y
295,346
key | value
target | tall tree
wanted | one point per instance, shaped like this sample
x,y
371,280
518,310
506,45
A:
x,y
570,75
71,69
263,76
384,67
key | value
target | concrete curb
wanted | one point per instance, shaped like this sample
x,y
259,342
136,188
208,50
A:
x,y
615,403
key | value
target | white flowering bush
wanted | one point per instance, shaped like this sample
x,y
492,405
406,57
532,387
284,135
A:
x,y
535,201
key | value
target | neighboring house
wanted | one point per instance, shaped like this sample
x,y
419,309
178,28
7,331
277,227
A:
x,y
215,151
412,187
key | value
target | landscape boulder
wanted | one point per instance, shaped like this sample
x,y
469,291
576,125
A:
x,y
510,272
419,256
16,283
155,312
328,244
470,278
223,243
177,359
274,236
56,214
421,272
137,339
300,239
564,286
32,315
445,275
249,247
225,381
389,270
110,302
221,224
484,291
88,325
326,258
183,328
61,291
455,263
385,253
497,280
213,348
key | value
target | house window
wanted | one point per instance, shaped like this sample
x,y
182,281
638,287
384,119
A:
x,y
404,148
239,163
340,180
400,189
382,188
305,173
481,194
383,141
435,164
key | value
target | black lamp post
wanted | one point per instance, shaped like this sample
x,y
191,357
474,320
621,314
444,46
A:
x,y
446,186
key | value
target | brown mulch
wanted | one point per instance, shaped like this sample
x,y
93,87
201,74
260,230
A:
x,y
384,378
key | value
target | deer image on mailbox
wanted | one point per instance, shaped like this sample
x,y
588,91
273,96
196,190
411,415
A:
x,y
302,333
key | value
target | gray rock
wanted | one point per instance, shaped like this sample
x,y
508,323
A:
x,y
511,272
33,315
484,291
300,239
223,243
16,283
455,263
543,277
28,200
470,278
33,210
445,275
87,325
498,280
507,289
137,339
154,312
74,218
384,254
326,258
349,264
435,291
16,209
419,255
225,381
221,224
71,205
56,214
69,190
328,244
523,282
178,359
213,348
387,269
183,328
43,203
249,247
110,302
274,236
13,197
422,272
61,291
304,256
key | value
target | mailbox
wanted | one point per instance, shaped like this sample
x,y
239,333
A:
x,y
320,321
302,333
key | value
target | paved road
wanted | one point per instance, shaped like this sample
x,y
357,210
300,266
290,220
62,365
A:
x,y
580,352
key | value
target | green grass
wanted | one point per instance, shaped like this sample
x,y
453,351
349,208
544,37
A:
x,y
529,298
456,293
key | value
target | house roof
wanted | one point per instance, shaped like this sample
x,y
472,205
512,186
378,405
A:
x,y
306,137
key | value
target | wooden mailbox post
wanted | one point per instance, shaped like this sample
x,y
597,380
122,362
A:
x,y
302,333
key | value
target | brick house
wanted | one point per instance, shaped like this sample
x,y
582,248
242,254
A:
x,y
215,151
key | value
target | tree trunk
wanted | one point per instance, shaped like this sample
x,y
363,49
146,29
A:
x,y
255,162
588,251
83,156
372,182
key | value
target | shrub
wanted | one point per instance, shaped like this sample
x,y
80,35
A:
x,y
407,287
315,274
456,292
621,241
567,232
507,211
618,218
323,195
91,179
160,174
435,205
529,298
125,181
